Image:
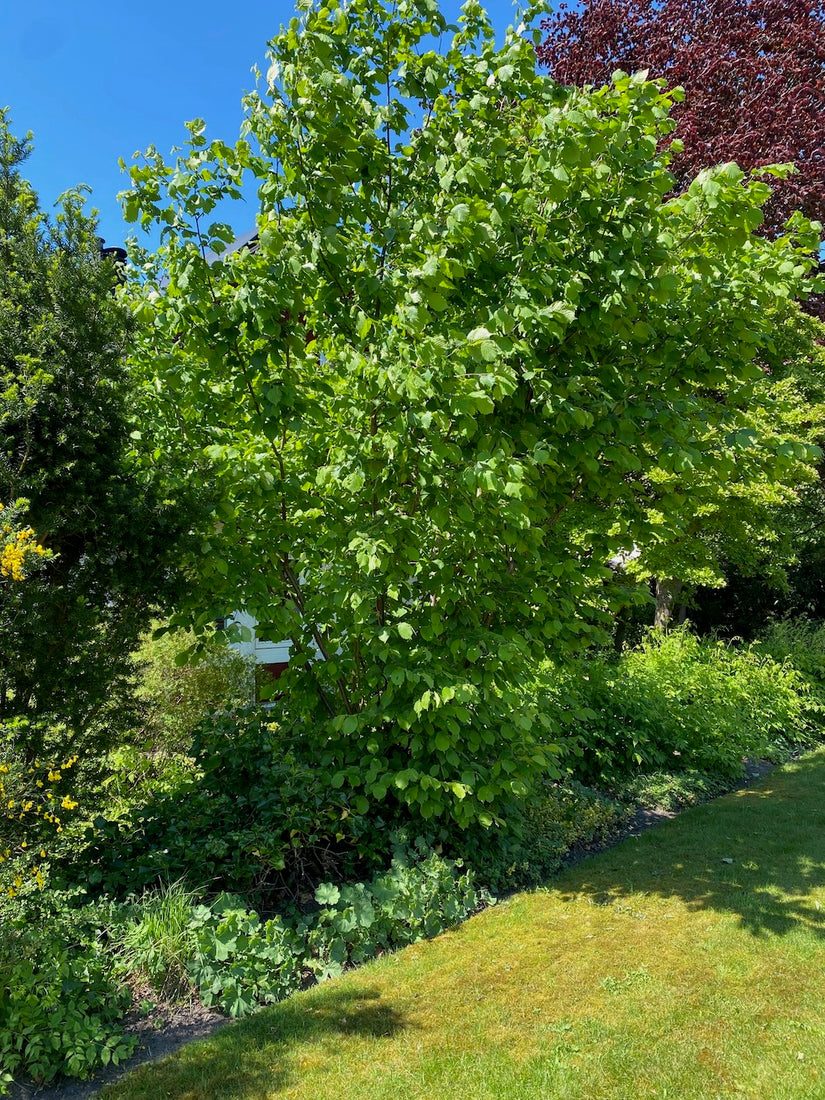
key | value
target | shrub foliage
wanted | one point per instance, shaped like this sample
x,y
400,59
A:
x,y
675,703
470,355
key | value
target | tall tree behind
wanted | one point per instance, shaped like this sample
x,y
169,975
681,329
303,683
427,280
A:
x,y
753,73
64,447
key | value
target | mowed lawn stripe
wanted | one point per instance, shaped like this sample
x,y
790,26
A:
x,y
688,962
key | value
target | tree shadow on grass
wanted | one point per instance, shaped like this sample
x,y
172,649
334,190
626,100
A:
x,y
758,853
263,1055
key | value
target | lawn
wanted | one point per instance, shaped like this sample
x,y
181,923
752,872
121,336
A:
x,y
684,963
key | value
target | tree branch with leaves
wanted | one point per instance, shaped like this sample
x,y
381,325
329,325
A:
x,y
471,376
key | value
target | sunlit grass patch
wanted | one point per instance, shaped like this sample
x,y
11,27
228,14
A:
x,y
685,963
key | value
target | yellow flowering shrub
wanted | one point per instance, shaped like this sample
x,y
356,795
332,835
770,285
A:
x,y
29,803
34,804
20,552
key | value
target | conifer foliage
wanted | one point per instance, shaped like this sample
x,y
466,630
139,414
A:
x,y
65,446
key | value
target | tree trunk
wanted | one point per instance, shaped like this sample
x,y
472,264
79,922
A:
x,y
667,592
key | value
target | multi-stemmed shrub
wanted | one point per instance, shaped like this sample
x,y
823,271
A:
x,y
256,815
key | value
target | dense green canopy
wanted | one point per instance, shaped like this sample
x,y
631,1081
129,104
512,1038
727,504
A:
x,y
471,356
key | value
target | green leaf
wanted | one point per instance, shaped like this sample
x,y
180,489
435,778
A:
x,y
435,300
464,364
477,335
327,894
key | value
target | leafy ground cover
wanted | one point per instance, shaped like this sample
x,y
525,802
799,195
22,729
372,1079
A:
x,y
685,963
235,873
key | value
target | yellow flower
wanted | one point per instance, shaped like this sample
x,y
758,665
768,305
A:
x,y
16,548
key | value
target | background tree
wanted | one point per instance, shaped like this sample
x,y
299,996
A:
x,y
781,574
432,396
754,78
65,447
753,73
750,521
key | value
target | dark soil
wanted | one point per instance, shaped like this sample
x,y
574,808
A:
x,y
159,1032
166,1028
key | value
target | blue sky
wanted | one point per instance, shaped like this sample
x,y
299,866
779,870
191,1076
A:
x,y
101,80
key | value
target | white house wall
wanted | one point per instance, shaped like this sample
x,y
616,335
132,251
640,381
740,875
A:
x,y
263,651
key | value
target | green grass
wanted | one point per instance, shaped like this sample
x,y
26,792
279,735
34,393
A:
x,y
686,963
156,945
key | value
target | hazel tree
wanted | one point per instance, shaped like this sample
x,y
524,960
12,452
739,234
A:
x,y
429,398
